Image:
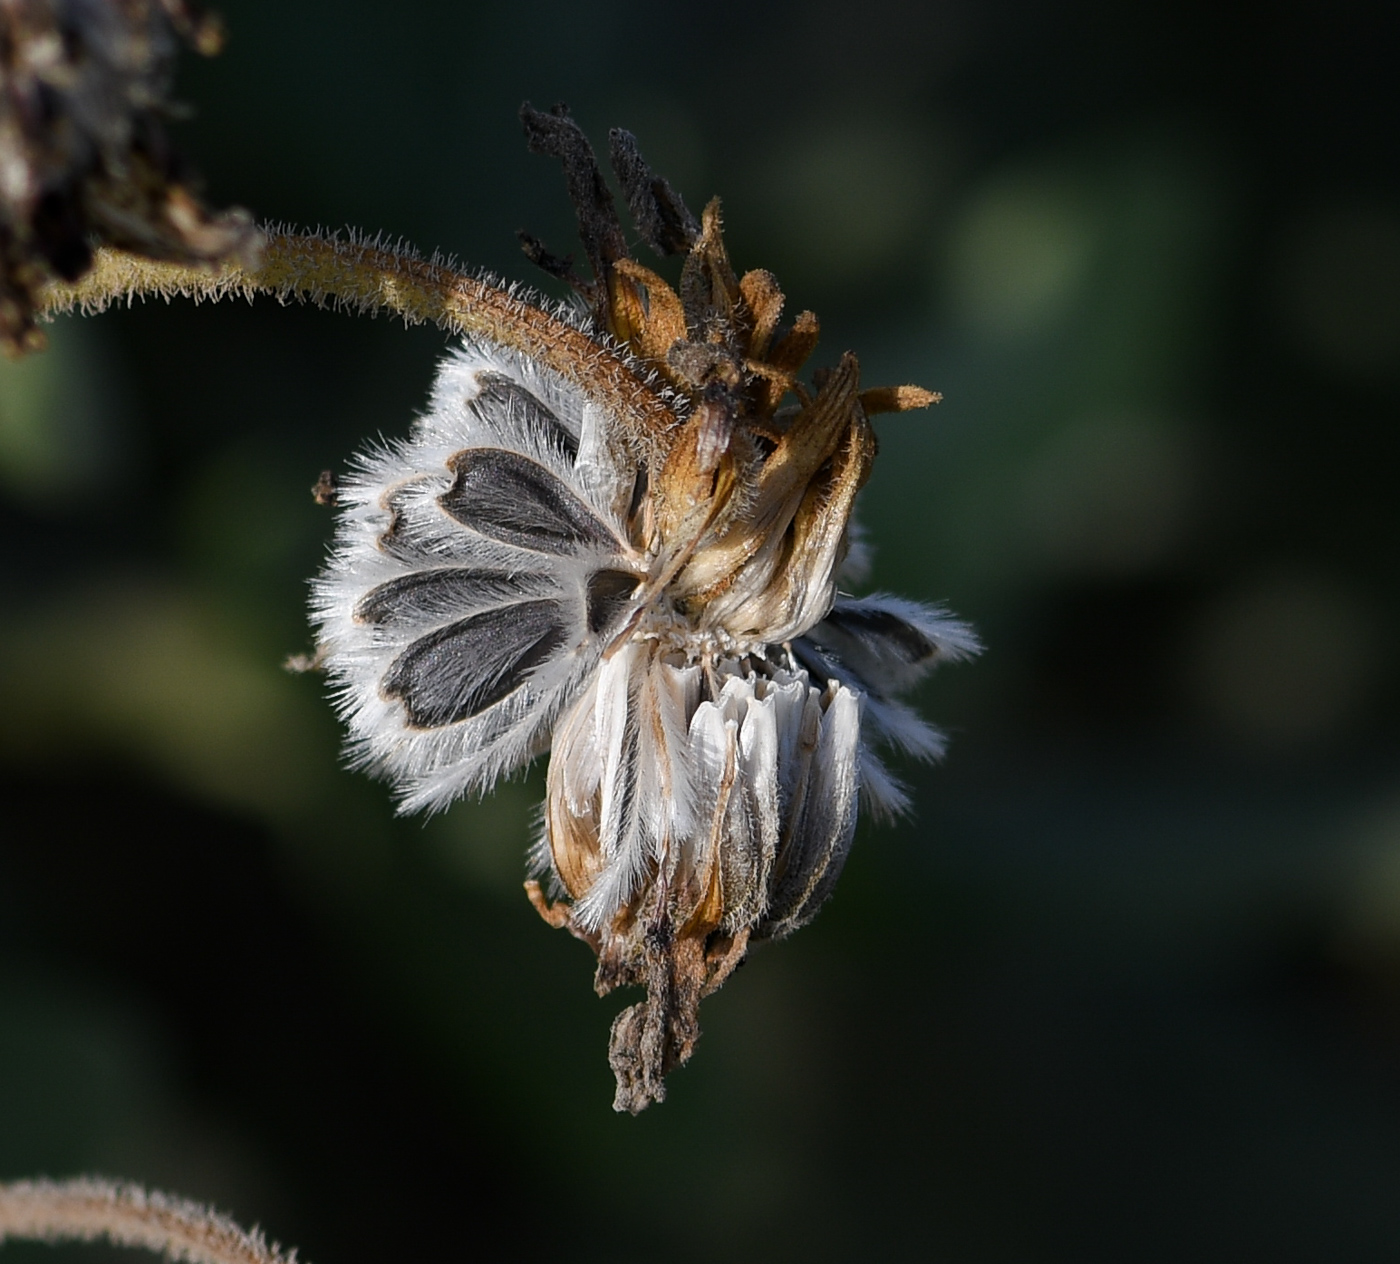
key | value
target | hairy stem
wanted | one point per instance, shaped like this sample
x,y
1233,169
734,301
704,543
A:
x,y
367,277
87,1209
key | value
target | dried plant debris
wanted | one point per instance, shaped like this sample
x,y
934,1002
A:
x,y
649,594
85,158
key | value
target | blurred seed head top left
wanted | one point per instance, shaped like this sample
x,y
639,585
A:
x,y
85,154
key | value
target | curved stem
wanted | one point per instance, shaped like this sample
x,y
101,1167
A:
x,y
86,1209
366,277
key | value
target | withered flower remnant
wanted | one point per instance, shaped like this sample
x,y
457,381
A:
x,y
85,158
629,557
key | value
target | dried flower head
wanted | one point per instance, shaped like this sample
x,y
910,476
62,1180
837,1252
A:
x,y
627,554
84,154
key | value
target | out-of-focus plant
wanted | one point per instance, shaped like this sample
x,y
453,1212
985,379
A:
x,y
85,156
87,1210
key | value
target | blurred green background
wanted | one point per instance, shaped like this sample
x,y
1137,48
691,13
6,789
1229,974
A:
x,y
1126,988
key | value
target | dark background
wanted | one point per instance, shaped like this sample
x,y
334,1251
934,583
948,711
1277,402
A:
x,y
1127,987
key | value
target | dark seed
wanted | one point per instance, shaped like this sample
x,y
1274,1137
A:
x,y
911,644
432,594
510,498
499,396
609,593
460,670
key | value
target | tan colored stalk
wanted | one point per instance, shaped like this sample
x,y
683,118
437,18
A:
x,y
87,1209
367,278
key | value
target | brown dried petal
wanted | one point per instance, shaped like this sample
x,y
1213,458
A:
x,y
709,288
664,323
763,302
662,218
897,399
556,135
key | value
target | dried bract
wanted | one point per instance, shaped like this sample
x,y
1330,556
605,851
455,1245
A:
x,y
84,153
648,593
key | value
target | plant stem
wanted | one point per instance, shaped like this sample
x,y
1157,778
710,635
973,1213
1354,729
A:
x,y
86,1209
367,277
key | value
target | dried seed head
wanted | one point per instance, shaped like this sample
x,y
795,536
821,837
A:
x,y
84,155
648,594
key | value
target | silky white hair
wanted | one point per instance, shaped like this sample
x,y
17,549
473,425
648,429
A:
x,y
482,603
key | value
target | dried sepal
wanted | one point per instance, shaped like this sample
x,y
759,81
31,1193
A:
x,y
897,399
556,135
663,324
709,289
661,216
763,304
